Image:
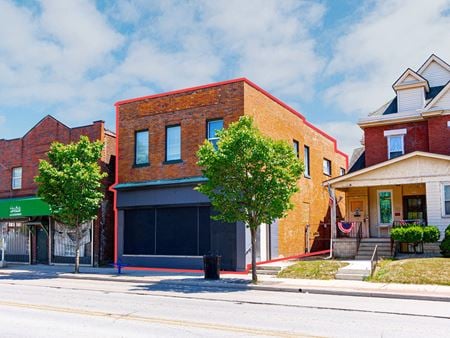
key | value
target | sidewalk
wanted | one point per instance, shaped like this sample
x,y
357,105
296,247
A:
x,y
235,281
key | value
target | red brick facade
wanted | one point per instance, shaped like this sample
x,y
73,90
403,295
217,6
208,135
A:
x,y
192,109
429,135
26,152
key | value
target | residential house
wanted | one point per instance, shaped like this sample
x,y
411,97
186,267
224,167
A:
x,y
31,234
403,171
163,222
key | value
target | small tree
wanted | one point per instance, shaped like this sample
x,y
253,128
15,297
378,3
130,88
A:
x,y
70,183
251,178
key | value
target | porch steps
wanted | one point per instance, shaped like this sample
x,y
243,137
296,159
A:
x,y
357,270
367,246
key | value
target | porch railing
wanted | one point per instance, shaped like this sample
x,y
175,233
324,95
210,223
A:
x,y
374,260
356,233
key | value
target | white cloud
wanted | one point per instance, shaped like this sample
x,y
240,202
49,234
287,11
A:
x,y
391,36
271,41
348,134
48,56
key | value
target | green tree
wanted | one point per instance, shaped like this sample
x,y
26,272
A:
x,y
251,178
70,182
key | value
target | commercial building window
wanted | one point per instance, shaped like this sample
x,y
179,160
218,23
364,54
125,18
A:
x,y
395,146
213,127
173,143
341,171
16,182
327,167
306,161
141,147
296,148
446,200
385,207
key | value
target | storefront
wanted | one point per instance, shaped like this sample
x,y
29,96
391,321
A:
x,y
32,236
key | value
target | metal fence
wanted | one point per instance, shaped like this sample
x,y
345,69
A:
x,y
17,241
64,244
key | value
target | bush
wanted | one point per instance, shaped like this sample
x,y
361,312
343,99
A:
x,y
431,234
411,234
445,245
447,231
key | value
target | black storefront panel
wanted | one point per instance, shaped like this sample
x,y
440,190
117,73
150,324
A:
x,y
177,231
139,232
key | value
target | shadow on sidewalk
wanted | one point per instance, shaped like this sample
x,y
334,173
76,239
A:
x,y
196,286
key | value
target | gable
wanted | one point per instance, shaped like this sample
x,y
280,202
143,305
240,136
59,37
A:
x,y
414,169
436,71
443,101
410,79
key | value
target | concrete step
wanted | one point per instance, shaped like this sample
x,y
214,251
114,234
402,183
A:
x,y
376,240
345,276
368,258
266,272
268,267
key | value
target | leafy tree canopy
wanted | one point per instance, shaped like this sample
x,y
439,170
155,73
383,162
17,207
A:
x,y
70,181
251,177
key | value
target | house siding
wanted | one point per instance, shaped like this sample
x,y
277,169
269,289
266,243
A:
x,y
410,99
436,75
434,205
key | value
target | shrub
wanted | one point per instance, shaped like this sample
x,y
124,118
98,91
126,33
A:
x,y
431,234
447,231
411,234
445,245
398,234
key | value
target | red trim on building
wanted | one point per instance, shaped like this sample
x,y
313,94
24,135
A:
x,y
247,270
250,83
111,188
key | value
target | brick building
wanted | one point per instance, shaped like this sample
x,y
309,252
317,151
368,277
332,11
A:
x,y
163,222
31,234
403,171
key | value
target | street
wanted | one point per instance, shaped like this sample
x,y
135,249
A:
x,y
56,307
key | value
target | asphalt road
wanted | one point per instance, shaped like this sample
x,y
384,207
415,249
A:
x,y
80,308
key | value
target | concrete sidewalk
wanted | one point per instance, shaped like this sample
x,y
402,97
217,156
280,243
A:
x,y
236,281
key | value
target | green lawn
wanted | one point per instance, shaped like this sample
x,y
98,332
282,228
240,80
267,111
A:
x,y
413,271
317,269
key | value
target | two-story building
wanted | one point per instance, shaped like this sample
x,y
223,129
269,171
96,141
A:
x,y
403,171
163,222
31,234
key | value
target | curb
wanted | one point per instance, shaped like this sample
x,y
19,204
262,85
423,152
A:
x,y
292,289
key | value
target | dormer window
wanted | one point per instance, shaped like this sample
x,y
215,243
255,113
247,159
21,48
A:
x,y
395,142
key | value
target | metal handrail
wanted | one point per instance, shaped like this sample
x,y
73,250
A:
x,y
374,260
358,236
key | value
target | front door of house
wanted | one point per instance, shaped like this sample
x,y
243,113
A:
x,y
358,212
414,208
41,245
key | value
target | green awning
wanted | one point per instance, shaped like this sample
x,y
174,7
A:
x,y
23,207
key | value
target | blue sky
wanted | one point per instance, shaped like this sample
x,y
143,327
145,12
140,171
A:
x,y
334,61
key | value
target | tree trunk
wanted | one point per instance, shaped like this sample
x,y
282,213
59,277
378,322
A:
x,y
77,250
253,235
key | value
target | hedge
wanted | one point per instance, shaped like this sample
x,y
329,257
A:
x,y
414,234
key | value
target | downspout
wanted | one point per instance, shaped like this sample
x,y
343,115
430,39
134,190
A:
x,y
332,200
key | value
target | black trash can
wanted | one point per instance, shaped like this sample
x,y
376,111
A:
x,y
211,266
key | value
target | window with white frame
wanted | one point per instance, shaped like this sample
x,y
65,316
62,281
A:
x,y
296,147
213,127
173,143
341,171
327,167
141,147
16,181
395,146
306,161
385,207
446,200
